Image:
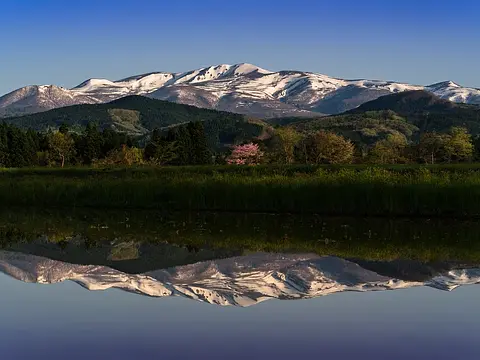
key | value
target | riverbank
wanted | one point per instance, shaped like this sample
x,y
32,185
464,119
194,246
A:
x,y
348,191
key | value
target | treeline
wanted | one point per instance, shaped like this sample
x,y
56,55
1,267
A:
x,y
323,147
181,145
188,145
20,148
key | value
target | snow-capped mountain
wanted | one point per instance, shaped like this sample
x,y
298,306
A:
x,y
242,88
37,98
238,281
454,92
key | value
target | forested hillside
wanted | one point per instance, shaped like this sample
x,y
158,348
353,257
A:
x,y
138,116
426,111
409,113
364,128
132,113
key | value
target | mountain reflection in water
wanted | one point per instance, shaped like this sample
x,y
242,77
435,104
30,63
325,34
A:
x,y
237,259
246,280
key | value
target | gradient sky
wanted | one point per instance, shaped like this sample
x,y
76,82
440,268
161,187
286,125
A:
x,y
65,42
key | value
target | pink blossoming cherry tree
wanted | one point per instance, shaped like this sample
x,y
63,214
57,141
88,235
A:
x,y
247,154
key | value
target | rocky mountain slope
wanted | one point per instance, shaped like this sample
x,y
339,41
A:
x,y
245,280
241,88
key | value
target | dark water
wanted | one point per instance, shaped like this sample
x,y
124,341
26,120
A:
x,y
85,285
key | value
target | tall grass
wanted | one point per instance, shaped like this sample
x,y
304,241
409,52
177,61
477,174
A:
x,y
333,191
285,170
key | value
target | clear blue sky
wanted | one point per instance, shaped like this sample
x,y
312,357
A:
x,y
65,42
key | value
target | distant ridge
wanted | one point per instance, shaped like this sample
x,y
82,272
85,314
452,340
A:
x,y
242,88
410,102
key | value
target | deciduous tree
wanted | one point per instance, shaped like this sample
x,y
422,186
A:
x,y
125,156
62,145
288,138
391,150
431,147
247,154
325,147
459,146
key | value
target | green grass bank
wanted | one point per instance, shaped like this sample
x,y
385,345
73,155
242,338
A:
x,y
448,191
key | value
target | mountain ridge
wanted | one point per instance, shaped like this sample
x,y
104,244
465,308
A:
x,y
242,88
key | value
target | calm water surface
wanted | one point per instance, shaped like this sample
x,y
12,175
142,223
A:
x,y
65,321
162,300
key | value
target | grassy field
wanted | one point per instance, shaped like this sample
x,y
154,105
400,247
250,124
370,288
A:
x,y
444,191
259,170
126,231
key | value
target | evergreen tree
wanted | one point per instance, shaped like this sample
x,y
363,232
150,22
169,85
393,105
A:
x,y
181,137
18,148
32,146
111,141
151,148
91,144
199,151
159,150
63,129
3,146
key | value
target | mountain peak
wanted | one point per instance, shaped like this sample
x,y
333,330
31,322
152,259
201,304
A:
x,y
246,68
444,84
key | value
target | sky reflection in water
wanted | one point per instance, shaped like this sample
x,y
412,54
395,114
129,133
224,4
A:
x,y
64,320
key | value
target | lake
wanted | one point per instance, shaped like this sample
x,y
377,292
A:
x,y
123,285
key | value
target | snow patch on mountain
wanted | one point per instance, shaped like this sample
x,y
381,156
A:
x,y
391,86
131,86
245,69
93,84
